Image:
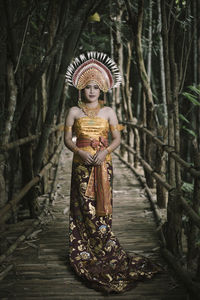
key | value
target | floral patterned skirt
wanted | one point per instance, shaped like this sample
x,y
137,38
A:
x,y
94,252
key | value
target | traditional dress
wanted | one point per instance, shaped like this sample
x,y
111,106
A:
x,y
94,251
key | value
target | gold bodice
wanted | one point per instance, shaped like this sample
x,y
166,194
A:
x,y
92,128
86,127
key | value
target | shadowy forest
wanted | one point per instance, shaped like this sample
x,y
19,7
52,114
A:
x,y
156,45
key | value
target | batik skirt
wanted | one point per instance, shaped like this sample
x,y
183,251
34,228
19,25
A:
x,y
94,251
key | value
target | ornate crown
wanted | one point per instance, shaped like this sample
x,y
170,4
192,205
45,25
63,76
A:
x,y
93,66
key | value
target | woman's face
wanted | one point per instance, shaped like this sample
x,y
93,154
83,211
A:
x,y
91,92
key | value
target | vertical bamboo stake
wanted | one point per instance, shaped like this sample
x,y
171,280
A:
x,y
128,95
193,231
162,66
160,168
174,218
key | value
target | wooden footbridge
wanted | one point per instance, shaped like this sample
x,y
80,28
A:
x,y
38,267
156,169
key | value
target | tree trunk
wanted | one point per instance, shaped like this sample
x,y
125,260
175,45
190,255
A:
x,y
149,56
12,90
147,91
174,228
128,96
162,67
198,74
118,57
53,105
193,231
160,168
26,156
3,63
75,23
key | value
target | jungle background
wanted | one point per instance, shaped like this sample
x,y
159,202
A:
x,y
156,45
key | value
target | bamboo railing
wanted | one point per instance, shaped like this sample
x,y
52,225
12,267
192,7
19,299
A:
x,y
11,206
188,210
27,139
167,148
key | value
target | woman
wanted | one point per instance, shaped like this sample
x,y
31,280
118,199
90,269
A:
x,y
94,252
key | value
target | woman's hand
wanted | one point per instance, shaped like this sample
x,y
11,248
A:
x,y
99,157
86,157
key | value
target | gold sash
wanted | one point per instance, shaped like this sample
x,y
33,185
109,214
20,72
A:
x,y
98,185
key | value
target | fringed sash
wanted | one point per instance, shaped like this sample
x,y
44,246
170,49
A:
x,y
98,184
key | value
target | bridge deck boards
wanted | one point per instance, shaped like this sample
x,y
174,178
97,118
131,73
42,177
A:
x,y
40,268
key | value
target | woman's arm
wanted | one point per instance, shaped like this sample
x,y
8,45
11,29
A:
x,y
69,122
116,137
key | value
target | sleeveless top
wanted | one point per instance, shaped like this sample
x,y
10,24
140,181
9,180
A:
x,y
91,128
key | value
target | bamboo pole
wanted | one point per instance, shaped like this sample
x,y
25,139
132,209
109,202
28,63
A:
x,y
185,276
28,139
12,204
5,271
188,210
166,148
53,187
192,286
149,169
21,238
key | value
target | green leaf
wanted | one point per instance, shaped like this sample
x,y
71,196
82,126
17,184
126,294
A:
x,y
191,98
198,243
184,118
34,25
187,187
195,89
189,131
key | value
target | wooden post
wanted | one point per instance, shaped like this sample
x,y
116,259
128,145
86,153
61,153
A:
x,y
160,168
174,212
193,231
4,212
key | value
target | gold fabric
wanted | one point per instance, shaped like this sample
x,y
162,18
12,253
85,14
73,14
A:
x,y
98,185
91,128
68,128
118,127
92,134
65,128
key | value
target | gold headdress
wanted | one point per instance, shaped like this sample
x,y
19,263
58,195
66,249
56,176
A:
x,y
93,66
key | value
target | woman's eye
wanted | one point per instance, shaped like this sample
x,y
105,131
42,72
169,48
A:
x,y
96,87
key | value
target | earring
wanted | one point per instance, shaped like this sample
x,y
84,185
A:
x,y
104,97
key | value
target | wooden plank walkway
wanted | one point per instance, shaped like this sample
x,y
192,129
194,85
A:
x,y
40,267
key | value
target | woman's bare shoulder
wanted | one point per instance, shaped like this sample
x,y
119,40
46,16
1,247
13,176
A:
x,y
108,109
74,110
111,115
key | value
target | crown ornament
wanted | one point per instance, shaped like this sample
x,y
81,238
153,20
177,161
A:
x,y
93,66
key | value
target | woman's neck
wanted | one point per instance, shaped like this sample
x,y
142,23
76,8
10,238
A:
x,y
92,104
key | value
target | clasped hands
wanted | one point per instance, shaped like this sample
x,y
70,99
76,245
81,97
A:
x,y
95,160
